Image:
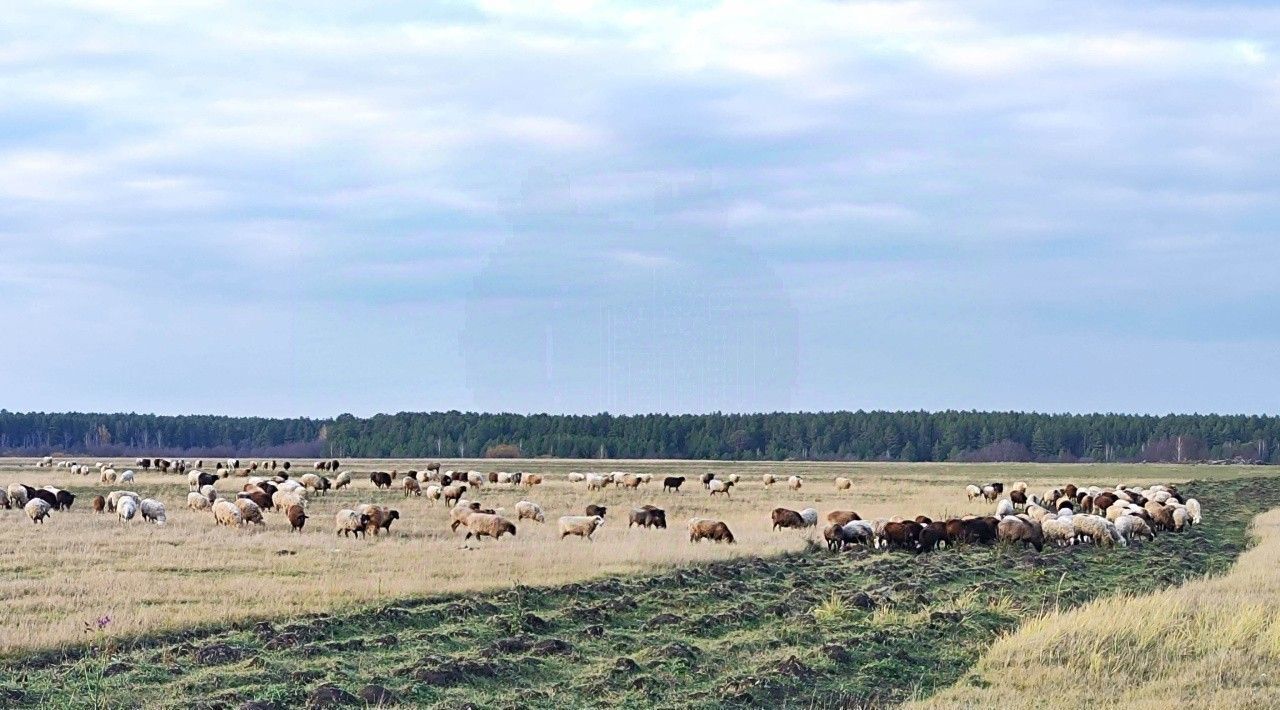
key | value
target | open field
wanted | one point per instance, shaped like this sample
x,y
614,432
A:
x,y
807,628
81,566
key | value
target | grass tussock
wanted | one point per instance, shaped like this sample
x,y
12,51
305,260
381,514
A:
x,y
1214,642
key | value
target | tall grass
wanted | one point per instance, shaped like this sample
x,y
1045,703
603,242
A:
x,y
1213,643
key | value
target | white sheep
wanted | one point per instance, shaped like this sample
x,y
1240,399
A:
x,y
1131,526
843,484
972,491
152,511
1058,531
127,508
281,500
1180,519
37,509
250,512
107,477
342,480
114,498
1101,531
195,501
795,482
768,479
595,481
476,479
226,513
531,510
348,521
291,486
575,477
17,494
1020,486
1193,509
716,485
1037,512
434,492
1004,508
126,477
580,525
810,517
209,492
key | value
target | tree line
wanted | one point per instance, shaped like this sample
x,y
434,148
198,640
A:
x,y
834,436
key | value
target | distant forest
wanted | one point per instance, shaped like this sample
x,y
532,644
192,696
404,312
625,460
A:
x,y
823,436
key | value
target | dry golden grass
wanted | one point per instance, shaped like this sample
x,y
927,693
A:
x,y
80,566
1214,643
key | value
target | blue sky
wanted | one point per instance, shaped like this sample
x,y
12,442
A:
x,y
213,206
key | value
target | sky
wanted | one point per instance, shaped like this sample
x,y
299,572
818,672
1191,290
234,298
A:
x,y
322,207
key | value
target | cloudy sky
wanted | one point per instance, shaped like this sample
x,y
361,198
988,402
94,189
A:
x,y
210,206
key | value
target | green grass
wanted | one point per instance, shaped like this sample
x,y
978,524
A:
x,y
814,629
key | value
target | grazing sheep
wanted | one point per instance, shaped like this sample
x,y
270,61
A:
x,y
284,499
718,486
531,480
489,525
810,516
575,477
43,494
795,482
98,503
933,536
18,494
1004,508
380,518
411,487
1016,529
595,482
989,493
902,536
843,484
259,497
342,480
381,479
1131,527
348,521
648,516
840,517
114,498
1019,499
37,509
859,531
1098,529
631,481
734,478
297,517
476,479
530,510
707,529
581,525
107,477
152,511
434,492
195,501
594,509
126,477
1180,519
972,491
62,500
127,508
210,493
250,512
315,482
1193,509
1058,532
1036,512
768,479
672,483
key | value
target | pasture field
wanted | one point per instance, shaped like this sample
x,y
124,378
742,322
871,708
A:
x,y
802,627
80,566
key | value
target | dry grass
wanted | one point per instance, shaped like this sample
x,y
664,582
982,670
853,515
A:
x,y
1214,643
80,566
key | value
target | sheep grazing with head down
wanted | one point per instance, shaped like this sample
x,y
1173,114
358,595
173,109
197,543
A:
x,y
489,525
1132,527
972,491
18,494
1014,529
37,509
840,517
114,498
380,518
342,480
250,512
707,529
795,483
225,513
648,516
1180,519
297,517
99,504
315,482
859,531
768,479
530,480
719,486
583,526
835,536
1193,509
284,499
152,511
412,487
1098,529
529,509
127,508
348,521
843,484
594,510
195,501
810,517
902,536
1004,508
1061,533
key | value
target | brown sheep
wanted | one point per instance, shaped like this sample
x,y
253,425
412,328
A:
x,y
705,529
841,517
1070,490
379,518
932,535
531,480
594,510
785,518
923,519
99,504
258,496
1101,502
489,525
1019,499
1015,529
380,479
493,476
903,536
411,487
297,517
835,536
453,493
